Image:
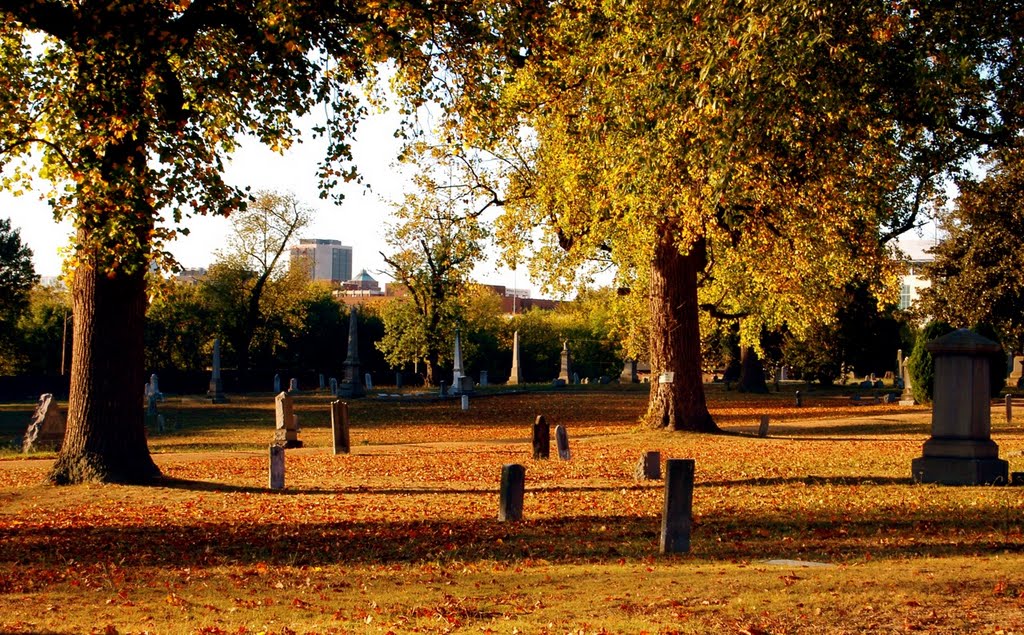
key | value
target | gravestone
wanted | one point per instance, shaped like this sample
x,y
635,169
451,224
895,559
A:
x,y
960,450
483,378
286,432
1016,372
676,519
515,376
334,386
541,438
339,427
443,388
565,371
322,385
558,383
466,385
907,397
762,430
604,380
562,442
351,383
575,378
276,466
465,402
161,423
398,380
154,387
649,467
216,391
457,373
628,375
293,384
1009,407
368,381
799,399
47,427
277,384
511,493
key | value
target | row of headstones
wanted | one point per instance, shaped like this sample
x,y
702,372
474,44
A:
x,y
677,514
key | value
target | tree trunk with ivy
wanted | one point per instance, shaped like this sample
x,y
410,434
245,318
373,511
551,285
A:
x,y
678,404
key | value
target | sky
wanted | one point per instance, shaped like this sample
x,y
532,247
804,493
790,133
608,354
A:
x,y
359,221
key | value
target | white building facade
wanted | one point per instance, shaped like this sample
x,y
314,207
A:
x,y
325,259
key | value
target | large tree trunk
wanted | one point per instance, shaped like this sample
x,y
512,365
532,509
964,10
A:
x,y
751,372
106,432
675,340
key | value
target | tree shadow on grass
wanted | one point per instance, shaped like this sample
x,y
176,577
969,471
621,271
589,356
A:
x,y
591,539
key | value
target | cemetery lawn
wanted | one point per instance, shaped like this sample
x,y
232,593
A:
x,y
401,535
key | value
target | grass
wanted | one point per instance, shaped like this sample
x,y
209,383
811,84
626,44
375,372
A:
x,y
400,536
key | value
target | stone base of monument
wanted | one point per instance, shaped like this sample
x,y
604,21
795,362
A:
x,y
946,470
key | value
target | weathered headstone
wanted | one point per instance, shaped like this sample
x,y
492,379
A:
x,y
649,467
276,466
465,402
676,518
443,388
334,386
339,427
907,398
154,387
1009,407
562,442
351,383
511,493
515,375
1016,373
322,384
161,423
628,375
47,427
277,384
216,391
286,432
565,371
960,450
799,399
483,378
558,383
541,438
368,381
575,378
293,385
762,430
151,410
466,385
398,379
457,373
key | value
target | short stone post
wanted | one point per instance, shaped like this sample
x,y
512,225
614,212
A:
x,y
649,467
443,388
541,438
960,450
339,427
465,402
322,384
676,519
762,430
562,441
799,399
333,386
276,466
398,380
513,487
293,385
368,381
277,384
483,378
1009,408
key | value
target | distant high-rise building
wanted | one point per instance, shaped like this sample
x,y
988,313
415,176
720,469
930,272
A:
x,y
324,259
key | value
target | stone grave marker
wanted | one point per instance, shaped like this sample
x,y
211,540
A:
x,y
47,427
334,386
676,518
565,371
351,382
515,375
322,384
277,384
1009,407
286,433
628,375
465,402
216,391
575,378
398,380
293,384
562,442
799,399
960,450
1016,373
762,430
151,406
443,388
541,438
339,427
483,378
511,493
368,381
154,387
649,467
276,466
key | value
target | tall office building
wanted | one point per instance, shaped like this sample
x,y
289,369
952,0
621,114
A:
x,y
325,259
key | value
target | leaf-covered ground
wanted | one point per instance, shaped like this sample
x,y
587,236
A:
x,y
401,535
